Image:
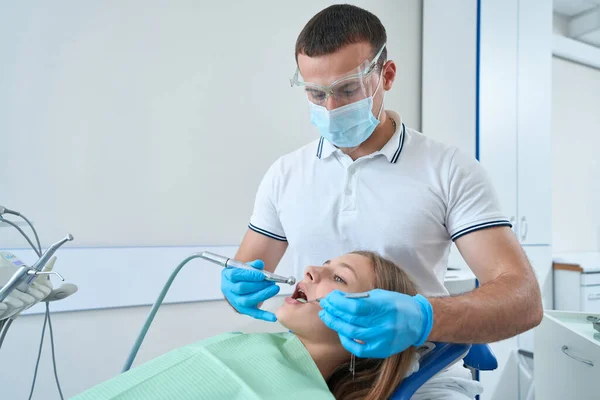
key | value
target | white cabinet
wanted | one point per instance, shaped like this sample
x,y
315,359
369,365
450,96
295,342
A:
x,y
497,100
499,109
515,111
567,357
534,108
577,281
590,298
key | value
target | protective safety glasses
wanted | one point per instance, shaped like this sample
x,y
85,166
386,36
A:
x,y
353,86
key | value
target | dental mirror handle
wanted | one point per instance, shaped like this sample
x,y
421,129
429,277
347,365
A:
x,y
346,295
356,295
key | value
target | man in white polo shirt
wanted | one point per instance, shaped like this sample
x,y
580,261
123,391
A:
x,y
372,183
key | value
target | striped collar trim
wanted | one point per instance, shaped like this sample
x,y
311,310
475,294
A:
x,y
391,150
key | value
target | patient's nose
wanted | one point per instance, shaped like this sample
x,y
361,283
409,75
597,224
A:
x,y
313,274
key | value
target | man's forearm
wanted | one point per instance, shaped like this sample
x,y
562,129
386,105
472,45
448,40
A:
x,y
502,308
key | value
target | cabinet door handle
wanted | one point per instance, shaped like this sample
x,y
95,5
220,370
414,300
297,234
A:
x,y
565,349
594,296
523,228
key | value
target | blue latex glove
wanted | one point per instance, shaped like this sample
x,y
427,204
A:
x,y
386,322
246,289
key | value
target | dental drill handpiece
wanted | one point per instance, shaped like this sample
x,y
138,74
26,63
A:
x,y
229,262
43,260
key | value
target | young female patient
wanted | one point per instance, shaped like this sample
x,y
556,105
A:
x,y
307,363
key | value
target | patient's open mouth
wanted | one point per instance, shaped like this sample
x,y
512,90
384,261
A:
x,y
299,295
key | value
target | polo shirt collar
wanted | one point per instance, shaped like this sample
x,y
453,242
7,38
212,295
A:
x,y
391,150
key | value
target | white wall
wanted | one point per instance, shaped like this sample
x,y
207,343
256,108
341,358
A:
x,y
119,119
116,119
575,157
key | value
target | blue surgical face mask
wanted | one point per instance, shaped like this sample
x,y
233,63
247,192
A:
x,y
347,126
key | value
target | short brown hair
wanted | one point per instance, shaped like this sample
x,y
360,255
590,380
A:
x,y
337,26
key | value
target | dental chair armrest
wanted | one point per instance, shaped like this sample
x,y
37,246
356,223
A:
x,y
481,357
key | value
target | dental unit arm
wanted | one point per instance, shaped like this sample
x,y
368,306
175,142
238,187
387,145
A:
x,y
206,255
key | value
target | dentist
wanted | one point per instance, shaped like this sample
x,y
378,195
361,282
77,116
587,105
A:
x,y
372,183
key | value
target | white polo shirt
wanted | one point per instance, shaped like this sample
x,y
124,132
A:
x,y
407,202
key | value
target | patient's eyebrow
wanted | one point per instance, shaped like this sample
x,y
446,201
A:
x,y
342,265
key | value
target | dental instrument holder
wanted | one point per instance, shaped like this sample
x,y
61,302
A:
x,y
25,275
231,263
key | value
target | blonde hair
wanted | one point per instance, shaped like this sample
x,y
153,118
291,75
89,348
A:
x,y
376,379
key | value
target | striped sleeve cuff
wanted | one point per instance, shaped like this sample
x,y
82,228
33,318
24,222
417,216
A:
x,y
267,233
483,225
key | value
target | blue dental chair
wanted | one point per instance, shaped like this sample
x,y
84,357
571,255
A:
x,y
476,356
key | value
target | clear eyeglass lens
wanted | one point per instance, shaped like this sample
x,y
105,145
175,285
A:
x,y
345,92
